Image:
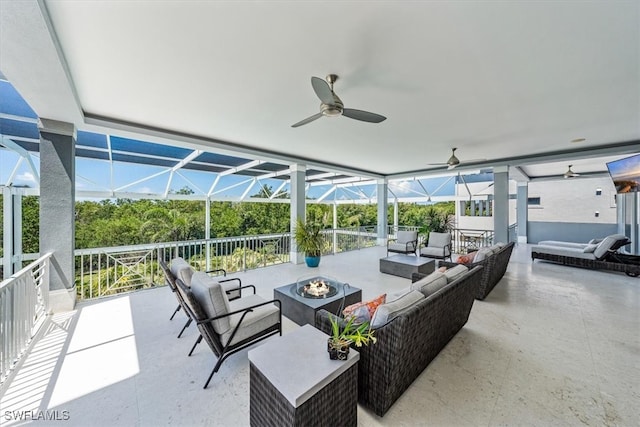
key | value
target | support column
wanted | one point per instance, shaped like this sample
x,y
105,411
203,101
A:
x,y
395,216
57,209
207,231
335,227
17,230
522,211
298,207
7,237
383,222
501,204
634,222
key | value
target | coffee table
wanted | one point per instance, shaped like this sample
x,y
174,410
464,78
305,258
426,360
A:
x,y
406,265
303,310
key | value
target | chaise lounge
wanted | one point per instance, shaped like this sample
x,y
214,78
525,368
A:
x,y
597,254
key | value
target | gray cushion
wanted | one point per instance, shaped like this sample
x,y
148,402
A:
x,y
392,296
181,270
454,273
430,284
606,244
258,320
439,239
407,236
482,254
390,310
213,300
595,241
401,247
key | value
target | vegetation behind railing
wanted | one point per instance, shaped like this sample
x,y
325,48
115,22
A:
x,y
23,307
108,271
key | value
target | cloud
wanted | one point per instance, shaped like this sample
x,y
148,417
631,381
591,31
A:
x,y
26,178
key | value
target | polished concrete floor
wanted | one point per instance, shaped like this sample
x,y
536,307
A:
x,y
551,345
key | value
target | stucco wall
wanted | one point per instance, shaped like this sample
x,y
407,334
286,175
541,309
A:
x,y
574,201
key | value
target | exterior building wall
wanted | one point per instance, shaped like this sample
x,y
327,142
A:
x,y
574,201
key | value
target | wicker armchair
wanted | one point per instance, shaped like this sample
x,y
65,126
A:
x,y
228,326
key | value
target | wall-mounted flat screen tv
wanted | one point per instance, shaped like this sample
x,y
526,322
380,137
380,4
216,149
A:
x,y
625,174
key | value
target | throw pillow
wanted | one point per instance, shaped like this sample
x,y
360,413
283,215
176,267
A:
x,y
370,306
389,311
466,259
590,248
482,254
442,269
595,241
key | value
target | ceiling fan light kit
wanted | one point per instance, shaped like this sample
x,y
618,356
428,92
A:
x,y
570,174
332,106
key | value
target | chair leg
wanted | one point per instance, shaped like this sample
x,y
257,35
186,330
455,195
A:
x,y
186,325
195,344
174,313
215,369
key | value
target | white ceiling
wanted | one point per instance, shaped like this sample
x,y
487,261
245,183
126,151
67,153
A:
x,y
512,82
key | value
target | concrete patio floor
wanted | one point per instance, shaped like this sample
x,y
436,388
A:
x,y
551,345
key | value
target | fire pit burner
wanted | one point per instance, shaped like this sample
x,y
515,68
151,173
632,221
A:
x,y
316,287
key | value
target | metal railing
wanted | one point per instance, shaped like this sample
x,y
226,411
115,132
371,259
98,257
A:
x,y
24,301
465,240
108,271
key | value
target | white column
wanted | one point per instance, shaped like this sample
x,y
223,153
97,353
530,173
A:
x,y
298,207
7,226
17,230
395,216
335,227
207,231
383,222
522,211
501,204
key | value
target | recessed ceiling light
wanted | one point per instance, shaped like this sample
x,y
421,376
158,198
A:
x,y
578,140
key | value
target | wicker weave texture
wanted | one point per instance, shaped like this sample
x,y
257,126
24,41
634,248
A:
x,y
494,268
631,269
407,344
334,405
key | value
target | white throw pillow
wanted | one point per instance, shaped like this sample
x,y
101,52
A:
x,y
482,254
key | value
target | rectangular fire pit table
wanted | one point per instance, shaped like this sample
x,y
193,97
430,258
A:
x,y
292,382
406,265
303,310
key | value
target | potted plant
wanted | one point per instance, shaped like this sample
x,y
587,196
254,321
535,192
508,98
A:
x,y
309,240
341,338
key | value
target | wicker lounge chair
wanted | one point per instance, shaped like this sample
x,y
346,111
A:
x,y
597,256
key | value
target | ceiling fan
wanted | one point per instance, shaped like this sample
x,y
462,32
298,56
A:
x,y
332,106
453,161
570,174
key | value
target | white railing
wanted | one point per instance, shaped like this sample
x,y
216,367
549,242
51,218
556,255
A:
x,y
108,271
24,301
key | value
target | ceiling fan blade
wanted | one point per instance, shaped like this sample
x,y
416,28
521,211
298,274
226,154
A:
x,y
322,89
364,116
307,120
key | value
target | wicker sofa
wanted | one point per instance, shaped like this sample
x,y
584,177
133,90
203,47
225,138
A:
x,y
495,265
410,341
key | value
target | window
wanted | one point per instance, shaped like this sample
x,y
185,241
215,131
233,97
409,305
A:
x,y
533,201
